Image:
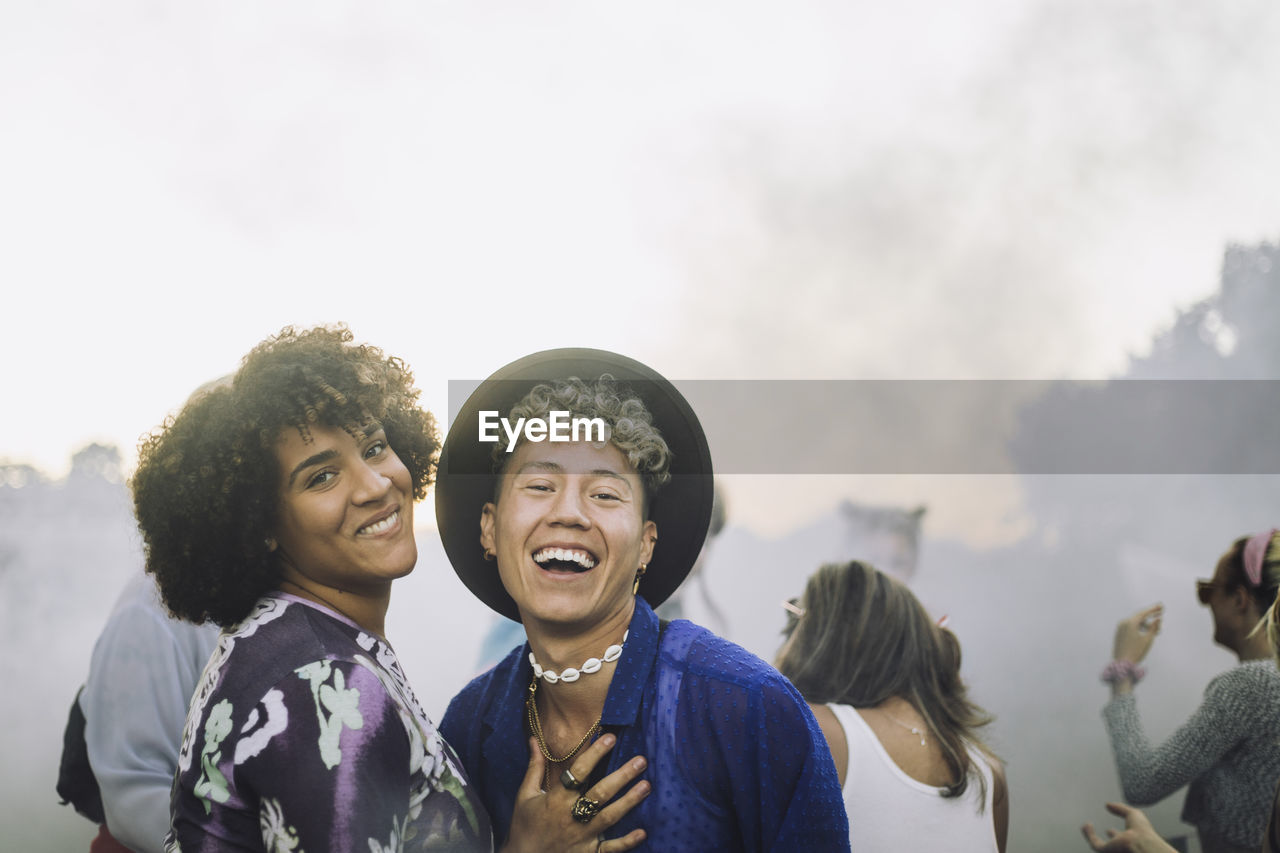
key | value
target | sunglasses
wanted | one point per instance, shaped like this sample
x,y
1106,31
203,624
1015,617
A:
x,y
795,611
1204,589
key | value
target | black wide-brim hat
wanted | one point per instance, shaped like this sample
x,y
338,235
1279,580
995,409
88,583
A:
x,y
465,481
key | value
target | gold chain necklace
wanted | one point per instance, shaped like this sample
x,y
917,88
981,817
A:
x,y
535,723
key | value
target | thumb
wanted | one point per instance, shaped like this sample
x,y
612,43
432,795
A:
x,y
531,785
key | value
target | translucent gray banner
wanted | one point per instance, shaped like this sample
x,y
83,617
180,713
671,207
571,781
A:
x,y
981,427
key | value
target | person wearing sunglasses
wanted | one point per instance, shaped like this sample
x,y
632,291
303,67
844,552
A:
x,y
1229,750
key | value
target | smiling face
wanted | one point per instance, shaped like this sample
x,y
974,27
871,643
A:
x,y
345,511
569,532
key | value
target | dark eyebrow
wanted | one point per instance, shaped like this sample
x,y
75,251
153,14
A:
x,y
549,467
608,472
317,459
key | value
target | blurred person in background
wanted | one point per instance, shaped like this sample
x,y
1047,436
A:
x,y
1229,750
144,668
1138,835
128,718
883,680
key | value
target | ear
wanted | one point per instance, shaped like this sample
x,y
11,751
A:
x,y
1241,600
488,521
648,539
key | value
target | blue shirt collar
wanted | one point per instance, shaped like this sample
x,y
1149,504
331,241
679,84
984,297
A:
x,y
622,702
505,717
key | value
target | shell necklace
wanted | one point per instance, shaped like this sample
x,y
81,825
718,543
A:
x,y
570,674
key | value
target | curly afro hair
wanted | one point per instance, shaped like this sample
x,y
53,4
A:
x,y
205,491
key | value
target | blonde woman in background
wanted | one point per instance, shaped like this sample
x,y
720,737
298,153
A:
x,y
884,682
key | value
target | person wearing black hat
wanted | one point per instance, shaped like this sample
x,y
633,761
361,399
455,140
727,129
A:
x,y
280,506
580,536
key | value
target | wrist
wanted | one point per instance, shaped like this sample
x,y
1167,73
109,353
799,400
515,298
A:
x,y
1122,672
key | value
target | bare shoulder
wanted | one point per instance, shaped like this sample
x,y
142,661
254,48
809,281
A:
x,y
834,734
827,721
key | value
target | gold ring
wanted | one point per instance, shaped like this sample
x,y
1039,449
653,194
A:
x,y
585,809
573,783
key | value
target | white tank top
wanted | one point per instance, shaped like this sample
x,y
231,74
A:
x,y
890,812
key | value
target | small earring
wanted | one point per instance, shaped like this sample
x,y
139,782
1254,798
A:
x,y
635,587
489,554
270,543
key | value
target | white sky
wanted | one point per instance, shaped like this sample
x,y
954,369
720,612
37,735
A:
x,y
983,188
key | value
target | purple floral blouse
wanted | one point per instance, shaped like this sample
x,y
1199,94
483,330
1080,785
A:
x,y
303,735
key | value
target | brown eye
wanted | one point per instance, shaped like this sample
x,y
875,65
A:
x,y
320,479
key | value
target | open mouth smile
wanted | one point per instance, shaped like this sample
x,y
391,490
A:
x,y
380,526
564,559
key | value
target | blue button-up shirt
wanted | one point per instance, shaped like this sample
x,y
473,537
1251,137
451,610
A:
x,y
736,759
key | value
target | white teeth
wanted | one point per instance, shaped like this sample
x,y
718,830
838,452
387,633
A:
x,y
582,558
381,526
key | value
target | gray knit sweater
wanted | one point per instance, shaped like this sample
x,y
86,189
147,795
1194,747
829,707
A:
x,y
1229,751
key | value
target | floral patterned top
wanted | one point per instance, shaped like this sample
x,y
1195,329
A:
x,y
304,736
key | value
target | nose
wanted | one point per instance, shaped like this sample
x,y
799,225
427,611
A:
x,y
371,486
568,509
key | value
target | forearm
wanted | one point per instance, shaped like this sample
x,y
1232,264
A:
x,y
1149,774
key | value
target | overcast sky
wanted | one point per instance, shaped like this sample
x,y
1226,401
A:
x,y
729,190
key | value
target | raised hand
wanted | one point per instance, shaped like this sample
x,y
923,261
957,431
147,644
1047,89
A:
x,y
1135,635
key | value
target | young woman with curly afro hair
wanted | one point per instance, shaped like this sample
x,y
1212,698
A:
x,y
279,505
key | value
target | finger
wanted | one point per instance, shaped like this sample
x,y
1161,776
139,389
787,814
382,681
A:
x,y
1120,809
531,785
590,757
630,841
1092,837
619,808
1151,614
608,787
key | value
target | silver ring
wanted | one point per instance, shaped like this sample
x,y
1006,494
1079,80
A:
x,y
573,783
